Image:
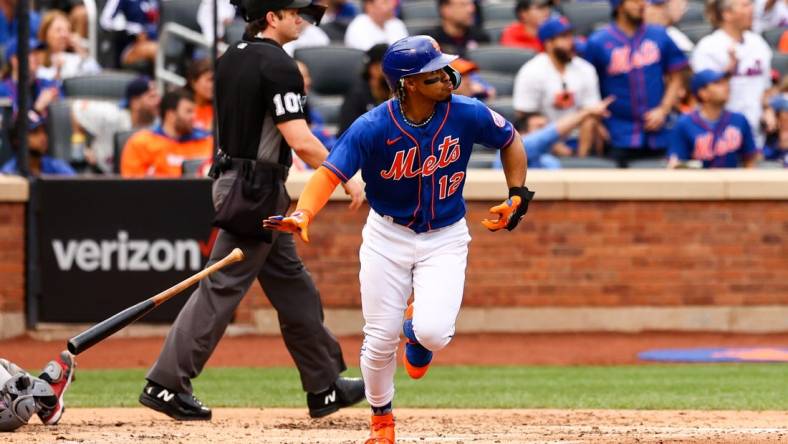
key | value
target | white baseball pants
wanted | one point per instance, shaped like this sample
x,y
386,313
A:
x,y
395,262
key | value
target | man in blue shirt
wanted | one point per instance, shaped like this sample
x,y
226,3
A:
x,y
37,144
710,136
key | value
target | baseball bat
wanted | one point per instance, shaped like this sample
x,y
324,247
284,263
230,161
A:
x,y
110,326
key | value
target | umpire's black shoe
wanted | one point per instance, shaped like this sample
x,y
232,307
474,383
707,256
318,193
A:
x,y
180,406
342,393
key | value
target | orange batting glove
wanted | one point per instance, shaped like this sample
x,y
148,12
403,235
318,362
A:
x,y
511,210
297,222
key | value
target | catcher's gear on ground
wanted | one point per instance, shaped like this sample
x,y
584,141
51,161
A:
x,y
297,222
511,210
21,396
58,374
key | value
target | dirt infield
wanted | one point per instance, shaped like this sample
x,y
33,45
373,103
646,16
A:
x,y
122,426
482,349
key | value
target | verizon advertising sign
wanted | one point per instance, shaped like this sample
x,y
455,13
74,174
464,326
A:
x,y
105,244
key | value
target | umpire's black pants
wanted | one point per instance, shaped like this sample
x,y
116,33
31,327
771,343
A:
x,y
287,284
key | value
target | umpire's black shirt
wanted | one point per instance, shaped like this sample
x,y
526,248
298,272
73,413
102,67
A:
x,y
257,86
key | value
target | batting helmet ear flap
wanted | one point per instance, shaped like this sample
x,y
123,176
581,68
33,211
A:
x,y
454,75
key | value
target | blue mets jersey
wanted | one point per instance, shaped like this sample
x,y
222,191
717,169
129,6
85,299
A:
x,y
416,175
720,144
632,69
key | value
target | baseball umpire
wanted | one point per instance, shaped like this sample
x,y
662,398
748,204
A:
x,y
413,152
260,95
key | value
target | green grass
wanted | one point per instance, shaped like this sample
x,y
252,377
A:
x,y
703,387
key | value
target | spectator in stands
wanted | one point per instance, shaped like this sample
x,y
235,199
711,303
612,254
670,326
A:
x,y
557,82
37,145
743,54
712,136
199,80
342,11
310,37
161,151
225,11
472,84
76,12
139,19
667,13
376,25
541,137
313,117
368,92
641,66
457,32
43,92
770,14
97,121
64,54
776,147
9,29
530,16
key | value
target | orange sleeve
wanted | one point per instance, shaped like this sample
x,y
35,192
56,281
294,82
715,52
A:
x,y
784,42
133,161
317,191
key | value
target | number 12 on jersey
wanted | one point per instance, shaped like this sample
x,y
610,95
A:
x,y
449,186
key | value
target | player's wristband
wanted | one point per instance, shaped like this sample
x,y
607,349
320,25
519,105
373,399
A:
x,y
525,197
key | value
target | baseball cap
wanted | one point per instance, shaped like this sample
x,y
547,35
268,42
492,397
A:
x,y
779,103
136,88
252,10
553,27
657,2
464,66
12,46
702,78
614,4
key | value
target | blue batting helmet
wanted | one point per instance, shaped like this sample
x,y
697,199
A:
x,y
415,55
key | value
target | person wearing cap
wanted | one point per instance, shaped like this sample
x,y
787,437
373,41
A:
x,y
40,163
413,152
557,82
642,67
377,24
369,91
43,92
776,147
667,13
97,121
745,55
530,15
260,118
712,136
457,31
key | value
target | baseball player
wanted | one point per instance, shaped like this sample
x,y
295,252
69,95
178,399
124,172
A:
x,y
22,394
633,61
711,135
260,117
413,152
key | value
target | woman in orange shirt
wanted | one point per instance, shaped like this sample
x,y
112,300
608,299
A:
x,y
200,84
